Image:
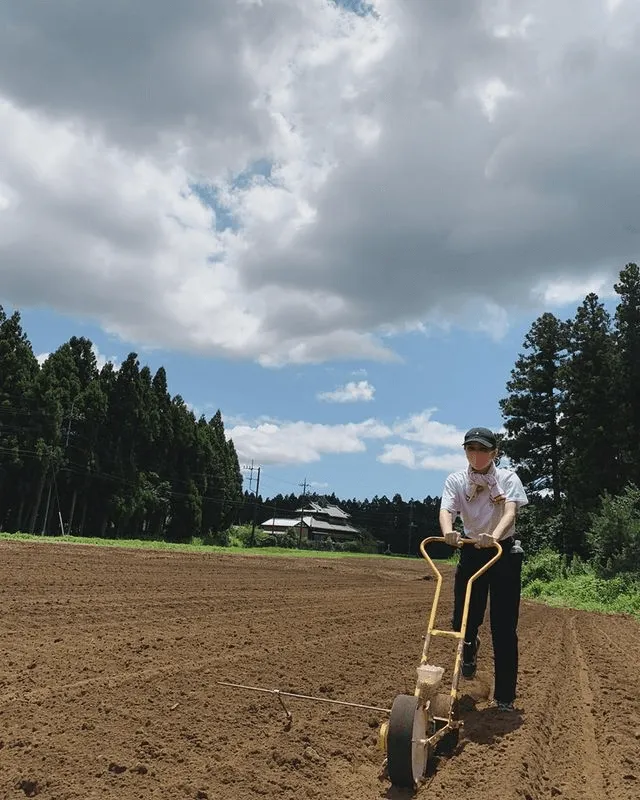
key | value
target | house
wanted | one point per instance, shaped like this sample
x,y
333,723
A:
x,y
314,522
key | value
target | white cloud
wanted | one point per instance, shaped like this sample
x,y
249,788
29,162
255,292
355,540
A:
x,y
102,360
490,95
519,29
418,442
433,445
302,442
42,357
351,392
560,293
394,198
424,430
398,454
407,457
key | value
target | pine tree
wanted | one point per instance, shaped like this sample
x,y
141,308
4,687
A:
x,y
18,412
590,432
82,427
627,336
531,409
57,388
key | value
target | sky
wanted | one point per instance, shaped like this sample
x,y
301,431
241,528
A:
x,y
334,221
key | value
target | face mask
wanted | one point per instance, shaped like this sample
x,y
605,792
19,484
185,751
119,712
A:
x,y
479,460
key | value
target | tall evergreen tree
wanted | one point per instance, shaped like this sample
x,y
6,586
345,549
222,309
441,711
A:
x,y
18,415
627,334
531,409
590,433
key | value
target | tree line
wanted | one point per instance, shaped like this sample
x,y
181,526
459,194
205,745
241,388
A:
x,y
107,452
572,421
395,524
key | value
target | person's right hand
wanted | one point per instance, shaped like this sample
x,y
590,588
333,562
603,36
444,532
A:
x,y
452,538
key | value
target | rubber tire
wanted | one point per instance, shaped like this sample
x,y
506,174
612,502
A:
x,y
399,741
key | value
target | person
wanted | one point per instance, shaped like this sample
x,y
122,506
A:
x,y
487,498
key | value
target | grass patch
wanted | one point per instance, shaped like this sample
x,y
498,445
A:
x,y
195,547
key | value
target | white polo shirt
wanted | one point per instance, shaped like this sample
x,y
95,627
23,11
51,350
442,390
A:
x,y
480,515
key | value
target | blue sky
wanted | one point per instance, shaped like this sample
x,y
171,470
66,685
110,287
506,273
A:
x,y
292,203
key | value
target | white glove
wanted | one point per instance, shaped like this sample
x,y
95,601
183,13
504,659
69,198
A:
x,y
485,540
452,538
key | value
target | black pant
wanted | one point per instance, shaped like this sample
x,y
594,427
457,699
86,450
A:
x,y
503,581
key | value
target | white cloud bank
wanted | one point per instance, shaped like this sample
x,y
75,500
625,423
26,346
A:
x,y
419,442
433,163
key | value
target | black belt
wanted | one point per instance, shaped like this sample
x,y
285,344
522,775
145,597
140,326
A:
x,y
508,542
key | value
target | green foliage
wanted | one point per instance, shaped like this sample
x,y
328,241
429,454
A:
x,y
531,408
217,539
572,416
590,438
287,540
395,523
109,451
627,340
545,566
614,535
352,546
540,527
551,577
240,535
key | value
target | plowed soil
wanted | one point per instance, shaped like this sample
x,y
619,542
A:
x,y
110,661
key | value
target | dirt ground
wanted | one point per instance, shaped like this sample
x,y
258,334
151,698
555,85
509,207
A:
x,y
110,662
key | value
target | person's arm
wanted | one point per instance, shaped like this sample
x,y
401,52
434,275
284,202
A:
x,y
447,515
446,519
508,518
515,499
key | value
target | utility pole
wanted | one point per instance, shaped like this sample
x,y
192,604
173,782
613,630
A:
x,y
412,525
255,499
304,492
54,473
74,494
66,443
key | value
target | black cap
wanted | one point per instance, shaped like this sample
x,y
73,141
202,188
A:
x,y
482,436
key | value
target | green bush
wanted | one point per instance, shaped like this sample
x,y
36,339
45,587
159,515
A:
x,y
540,527
614,535
218,539
549,577
535,588
545,566
353,546
289,540
240,534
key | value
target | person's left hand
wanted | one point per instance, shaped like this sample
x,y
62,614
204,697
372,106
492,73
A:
x,y
485,540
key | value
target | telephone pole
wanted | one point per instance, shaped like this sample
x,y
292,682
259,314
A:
x,y
412,525
250,470
304,492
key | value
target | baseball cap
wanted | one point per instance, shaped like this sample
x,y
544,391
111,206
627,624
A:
x,y
482,436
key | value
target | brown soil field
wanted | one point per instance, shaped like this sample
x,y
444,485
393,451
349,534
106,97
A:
x,y
111,660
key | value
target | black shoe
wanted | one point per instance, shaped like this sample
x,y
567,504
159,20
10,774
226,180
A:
x,y
501,706
470,658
